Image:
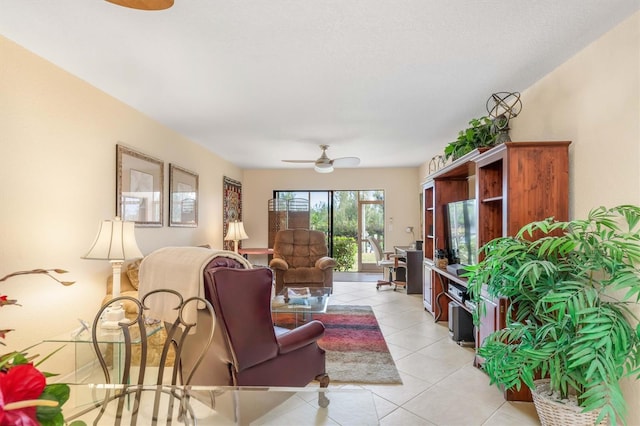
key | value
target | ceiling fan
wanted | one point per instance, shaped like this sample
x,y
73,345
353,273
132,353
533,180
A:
x,y
144,4
325,165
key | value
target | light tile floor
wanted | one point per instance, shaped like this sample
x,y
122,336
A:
x,y
440,384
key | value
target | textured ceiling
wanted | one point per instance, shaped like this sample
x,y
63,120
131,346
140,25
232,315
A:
x,y
261,81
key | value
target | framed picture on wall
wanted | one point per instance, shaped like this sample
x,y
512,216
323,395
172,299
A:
x,y
231,206
139,187
183,197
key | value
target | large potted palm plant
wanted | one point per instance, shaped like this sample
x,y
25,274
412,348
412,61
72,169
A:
x,y
572,287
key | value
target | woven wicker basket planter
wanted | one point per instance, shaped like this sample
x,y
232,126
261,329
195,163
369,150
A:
x,y
553,413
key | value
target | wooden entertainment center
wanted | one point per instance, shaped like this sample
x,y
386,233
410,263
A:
x,y
513,184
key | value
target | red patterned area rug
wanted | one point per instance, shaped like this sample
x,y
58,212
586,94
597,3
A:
x,y
356,349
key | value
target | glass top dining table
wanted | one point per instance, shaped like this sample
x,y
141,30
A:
x,y
206,405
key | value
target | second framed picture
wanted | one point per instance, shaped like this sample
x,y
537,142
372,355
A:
x,y
183,197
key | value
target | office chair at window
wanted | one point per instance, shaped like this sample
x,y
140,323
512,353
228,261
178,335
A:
x,y
389,262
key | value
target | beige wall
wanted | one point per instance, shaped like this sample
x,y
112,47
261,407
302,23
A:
x,y
593,100
402,197
57,168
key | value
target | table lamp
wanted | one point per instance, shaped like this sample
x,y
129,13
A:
x,y
235,233
409,230
115,242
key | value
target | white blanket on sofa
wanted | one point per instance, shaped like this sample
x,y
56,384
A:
x,y
180,269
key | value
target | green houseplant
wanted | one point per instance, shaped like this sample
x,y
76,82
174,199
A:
x,y
569,319
25,396
344,252
480,133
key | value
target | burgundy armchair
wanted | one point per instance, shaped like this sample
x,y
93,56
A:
x,y
248,350
300,259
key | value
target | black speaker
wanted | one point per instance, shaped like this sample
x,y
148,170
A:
x,y
460,324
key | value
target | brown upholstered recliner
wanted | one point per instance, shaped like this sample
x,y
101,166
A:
x,y
300,259
247,349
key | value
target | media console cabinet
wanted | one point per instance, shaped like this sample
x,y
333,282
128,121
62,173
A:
x,y
513,184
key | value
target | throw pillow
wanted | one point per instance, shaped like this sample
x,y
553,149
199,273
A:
x,y
132,273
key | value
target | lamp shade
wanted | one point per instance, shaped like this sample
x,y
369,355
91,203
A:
x,y
235,232
116,240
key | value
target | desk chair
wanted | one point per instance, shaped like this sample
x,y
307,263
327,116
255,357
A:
x,y
131,338
389,261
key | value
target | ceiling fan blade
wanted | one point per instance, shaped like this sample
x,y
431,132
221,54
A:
x,y
346,162
144,4
325,165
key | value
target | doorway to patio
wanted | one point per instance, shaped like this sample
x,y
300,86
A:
x,y
347,218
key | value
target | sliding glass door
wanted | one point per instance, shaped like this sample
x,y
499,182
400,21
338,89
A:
x,y
346,218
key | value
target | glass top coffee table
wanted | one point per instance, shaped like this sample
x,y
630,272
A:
x,y
296,305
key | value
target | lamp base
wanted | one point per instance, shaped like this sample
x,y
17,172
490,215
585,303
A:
x,y
113,316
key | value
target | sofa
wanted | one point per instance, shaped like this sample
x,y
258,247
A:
x,y
130,281
130,285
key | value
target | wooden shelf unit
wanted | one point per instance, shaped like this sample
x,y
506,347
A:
x,y
451,183
427,283
513,183
429,244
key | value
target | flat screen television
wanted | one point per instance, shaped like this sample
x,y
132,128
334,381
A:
x,y
463,235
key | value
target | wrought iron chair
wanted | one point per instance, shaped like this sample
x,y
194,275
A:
x,y
132,337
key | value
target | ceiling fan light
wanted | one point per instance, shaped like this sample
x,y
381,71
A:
x,y
324,168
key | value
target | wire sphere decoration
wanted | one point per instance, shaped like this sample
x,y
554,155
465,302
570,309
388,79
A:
x,y
502,107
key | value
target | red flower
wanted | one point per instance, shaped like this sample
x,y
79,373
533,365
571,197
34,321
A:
x,y
20,383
